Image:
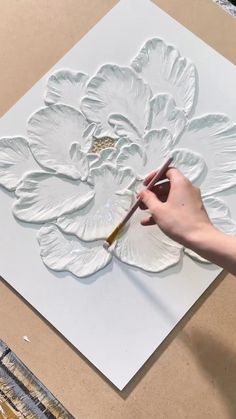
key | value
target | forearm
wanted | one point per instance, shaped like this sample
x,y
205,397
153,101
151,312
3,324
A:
x,y
216,247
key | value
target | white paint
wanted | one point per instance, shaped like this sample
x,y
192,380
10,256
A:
x,y
165,114
191,164
119,316
148,155
150,250
66,86
61,254
116,90
111,202
51,131
15,161
214,137
43,197
162,67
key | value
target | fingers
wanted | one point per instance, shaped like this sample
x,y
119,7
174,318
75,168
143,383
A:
x,y
161,191
142,206
151,175
150,200
174,175
149,221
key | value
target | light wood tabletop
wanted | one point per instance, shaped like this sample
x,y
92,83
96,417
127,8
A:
x,y
193,373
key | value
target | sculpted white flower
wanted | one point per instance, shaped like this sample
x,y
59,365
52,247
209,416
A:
x,y
146,109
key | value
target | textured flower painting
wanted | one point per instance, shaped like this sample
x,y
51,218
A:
x,y
89,148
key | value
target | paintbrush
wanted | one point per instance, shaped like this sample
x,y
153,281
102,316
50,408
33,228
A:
x,y
158,176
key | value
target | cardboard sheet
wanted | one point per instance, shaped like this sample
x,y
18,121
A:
x,y
119,317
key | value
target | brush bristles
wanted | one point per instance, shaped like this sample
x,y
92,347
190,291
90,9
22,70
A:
x,y
113,236
106,245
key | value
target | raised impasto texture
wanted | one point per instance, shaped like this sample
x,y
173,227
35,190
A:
x,y
152,251
67,254
144,112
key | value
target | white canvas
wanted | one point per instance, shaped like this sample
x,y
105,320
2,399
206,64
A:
x,y
118,316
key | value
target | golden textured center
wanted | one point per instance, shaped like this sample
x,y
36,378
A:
x,y
101,143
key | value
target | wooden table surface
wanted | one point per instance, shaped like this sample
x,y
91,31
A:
x,y
193,373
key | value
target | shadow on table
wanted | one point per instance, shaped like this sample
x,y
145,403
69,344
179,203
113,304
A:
x,y
218,362
178,328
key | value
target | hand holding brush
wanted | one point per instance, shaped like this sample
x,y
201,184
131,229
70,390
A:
x,y
155,178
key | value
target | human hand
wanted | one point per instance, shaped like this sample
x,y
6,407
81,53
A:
x,y
176,207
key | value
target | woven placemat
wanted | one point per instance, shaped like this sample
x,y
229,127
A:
x,y
22,395
228,6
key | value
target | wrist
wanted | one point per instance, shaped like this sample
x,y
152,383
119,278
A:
x,y
199,238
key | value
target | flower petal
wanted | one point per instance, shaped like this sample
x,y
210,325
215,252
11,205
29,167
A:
x,y
133,156
191,164
214,137
51,132
110,204
162,67
80,160
104,156
66,86
123,127
116,90
92,158
118,145
146,247
15,160
220,216
165,114
157,145
44,197
63,253
195,256
109,177
97,220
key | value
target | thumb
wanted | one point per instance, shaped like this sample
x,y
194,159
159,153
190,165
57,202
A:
x,y
150,200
